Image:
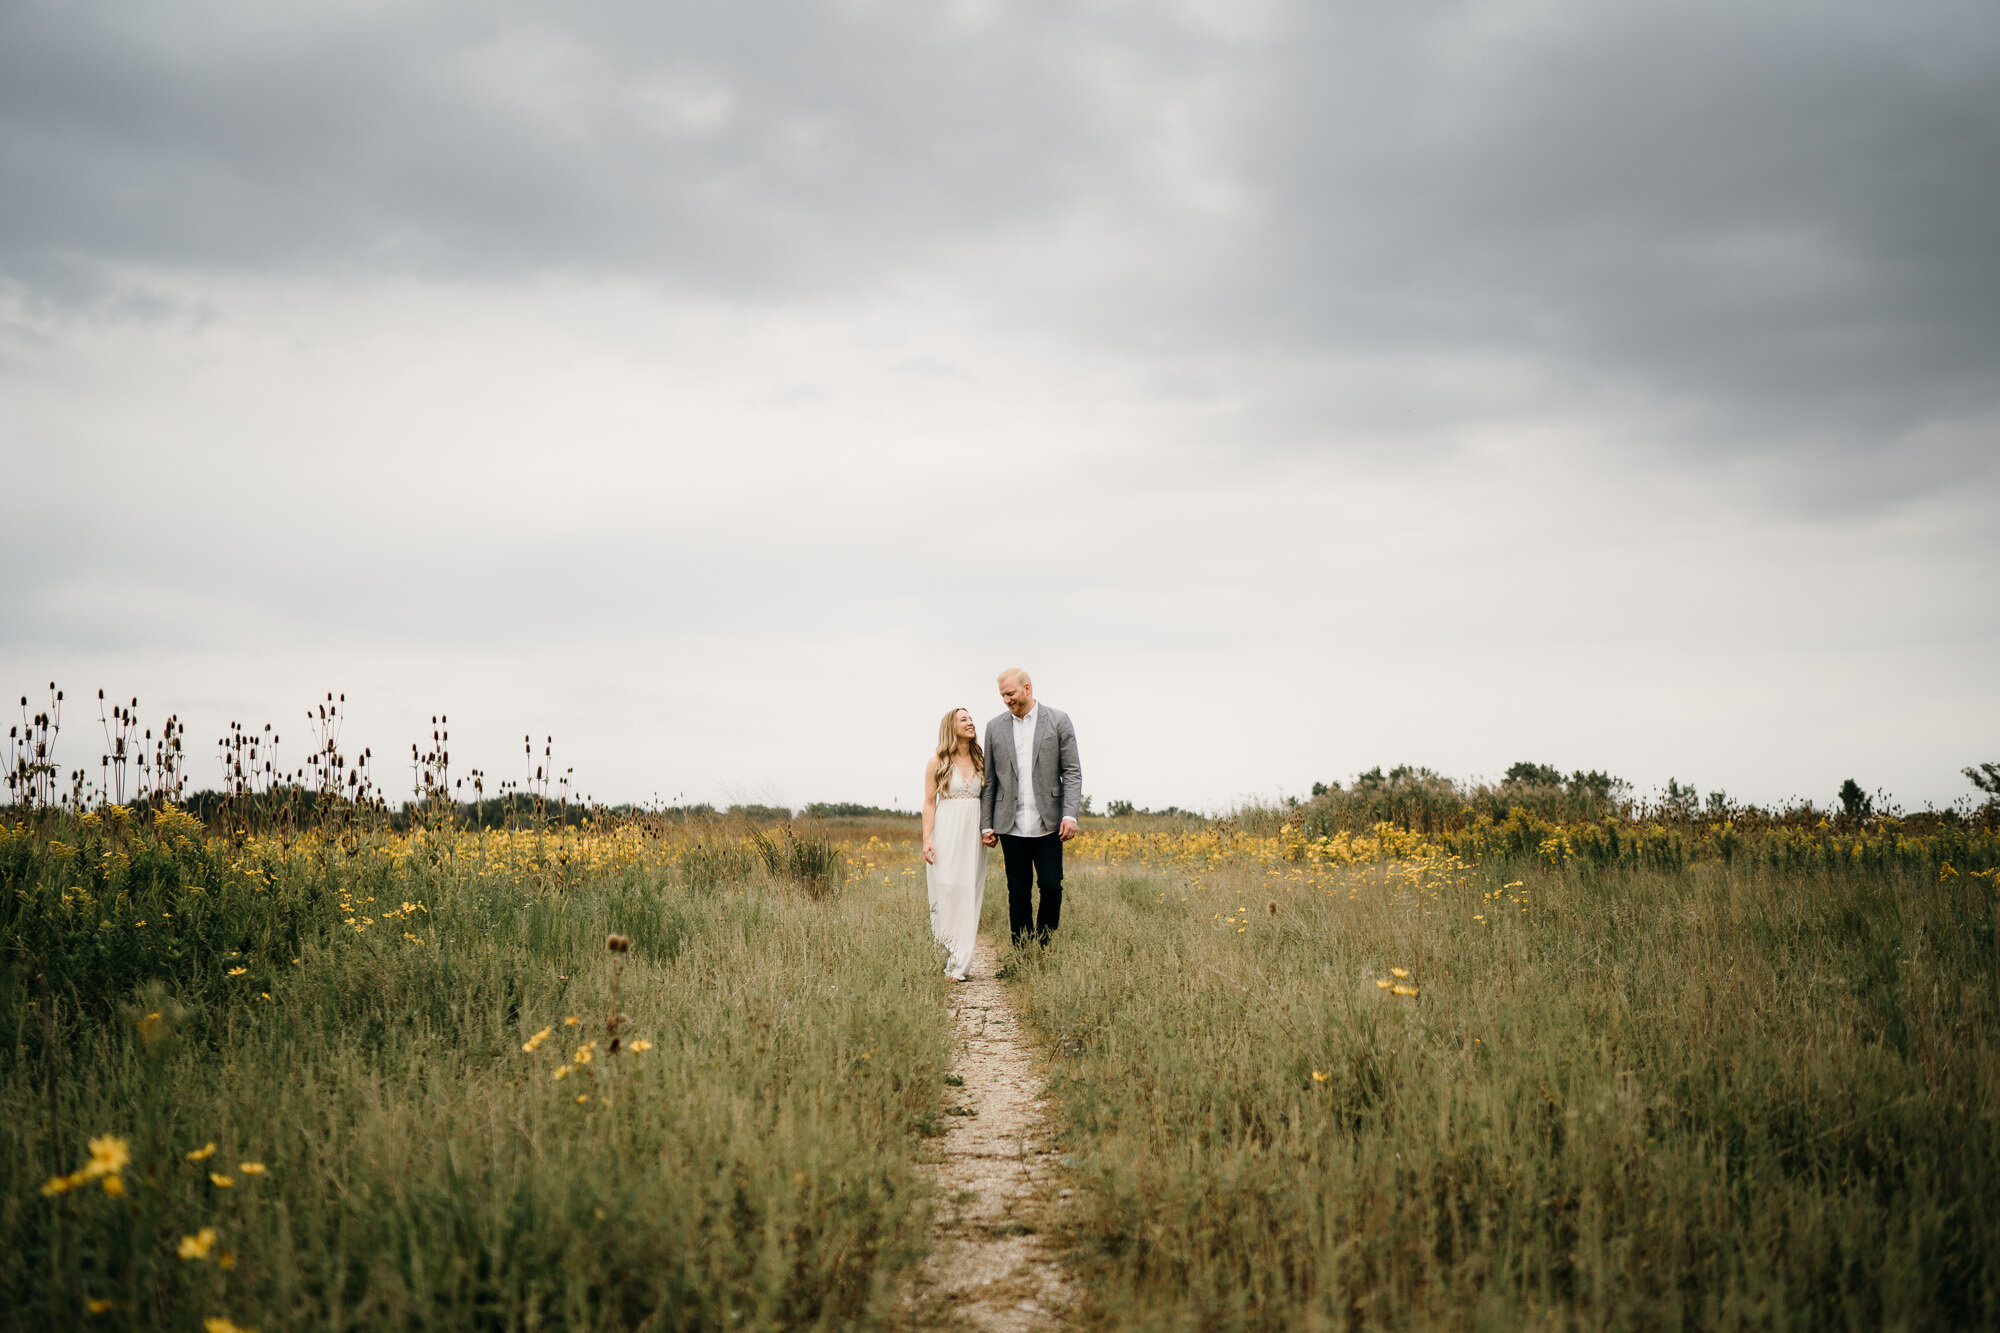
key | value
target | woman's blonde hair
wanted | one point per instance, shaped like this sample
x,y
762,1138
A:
x,y
947,749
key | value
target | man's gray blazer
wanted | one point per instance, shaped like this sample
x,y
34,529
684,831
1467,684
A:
x,y
1058,777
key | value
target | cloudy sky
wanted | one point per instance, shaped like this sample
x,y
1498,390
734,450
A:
x,y
727,390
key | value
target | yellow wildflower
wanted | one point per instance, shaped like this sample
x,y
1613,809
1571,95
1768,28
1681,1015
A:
x,y
571,1021
198,1245
108,1156
583,1053
1385,983
564,1072
1399,972
217,1324
640,1045
62,1184
237,971
203,1153
221,1181
1403,990
251,1168
114,1186
100,1305
531,1043
1319,1077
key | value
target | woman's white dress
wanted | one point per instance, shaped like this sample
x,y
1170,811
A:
x,y
957,879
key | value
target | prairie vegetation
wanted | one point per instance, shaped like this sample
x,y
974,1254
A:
x,y
1409,1055
1525,1074
375,1080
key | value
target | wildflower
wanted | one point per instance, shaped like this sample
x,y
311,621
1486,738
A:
x,y
237,971
1319,1077
203,1153
198,1245
584,1053
61,1184
217,1324
531,1043
251,1168
617,943
227,1261
571,1021
582,1097
564,1072
1402,990
1399,972
641,1045
149,1026
221,1181
114,1186
1385,983
100,1305
108,1156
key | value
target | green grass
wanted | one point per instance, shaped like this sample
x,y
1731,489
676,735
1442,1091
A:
x,y
754,1169
1714,1098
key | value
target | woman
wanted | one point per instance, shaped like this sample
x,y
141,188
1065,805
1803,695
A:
x,y
954,858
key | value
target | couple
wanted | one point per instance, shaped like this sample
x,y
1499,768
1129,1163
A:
x,y
1024,792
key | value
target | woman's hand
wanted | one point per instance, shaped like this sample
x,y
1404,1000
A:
x,y
930,852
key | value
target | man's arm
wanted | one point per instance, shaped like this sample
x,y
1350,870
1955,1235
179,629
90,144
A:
x,y
1069,774
989,791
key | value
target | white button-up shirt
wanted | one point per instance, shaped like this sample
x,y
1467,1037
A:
x,y
1027,814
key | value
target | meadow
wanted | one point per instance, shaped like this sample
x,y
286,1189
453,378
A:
x,y
1488,1079
375,1081
1572,1068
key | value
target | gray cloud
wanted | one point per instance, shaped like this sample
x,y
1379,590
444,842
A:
x,y
1439,377
1777,214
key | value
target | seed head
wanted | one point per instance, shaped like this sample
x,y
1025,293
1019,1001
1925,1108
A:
x,y
617,943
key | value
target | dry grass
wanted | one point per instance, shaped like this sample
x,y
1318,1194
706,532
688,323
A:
x,y
1718,1097
745,1161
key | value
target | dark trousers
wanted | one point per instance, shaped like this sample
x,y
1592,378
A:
x,y
1030,859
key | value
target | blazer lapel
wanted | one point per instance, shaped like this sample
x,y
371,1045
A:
x,y
1045,740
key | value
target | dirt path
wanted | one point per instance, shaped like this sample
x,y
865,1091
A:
x,y
991,1269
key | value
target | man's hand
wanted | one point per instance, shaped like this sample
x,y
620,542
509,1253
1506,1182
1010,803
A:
x,y
1067,831
990,838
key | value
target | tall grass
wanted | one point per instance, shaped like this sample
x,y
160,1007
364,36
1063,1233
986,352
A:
x,y
1718,1096
745,1161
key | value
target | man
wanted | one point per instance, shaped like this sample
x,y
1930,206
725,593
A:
x,y
1030,803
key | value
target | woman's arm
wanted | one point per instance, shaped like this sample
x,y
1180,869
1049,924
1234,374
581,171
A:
x,y
930,815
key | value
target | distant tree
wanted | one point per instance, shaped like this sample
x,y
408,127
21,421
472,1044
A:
x,y
1681,800
1986,777
1086,806
1119,809
1854,803
1534,775
845,810
1320,789
762,813
1594,783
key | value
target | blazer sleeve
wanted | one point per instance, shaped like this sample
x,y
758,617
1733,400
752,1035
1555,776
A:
x,y
1069,770
989,791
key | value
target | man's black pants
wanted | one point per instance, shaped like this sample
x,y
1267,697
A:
x,y
1030,859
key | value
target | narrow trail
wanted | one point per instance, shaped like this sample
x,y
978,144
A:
x,y
991,1268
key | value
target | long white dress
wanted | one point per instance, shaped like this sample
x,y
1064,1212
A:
x,y
957,879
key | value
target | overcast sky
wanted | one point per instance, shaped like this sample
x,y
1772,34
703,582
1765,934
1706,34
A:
x,y
728,390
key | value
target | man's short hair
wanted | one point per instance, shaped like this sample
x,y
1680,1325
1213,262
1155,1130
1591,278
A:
x,y
1016,673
